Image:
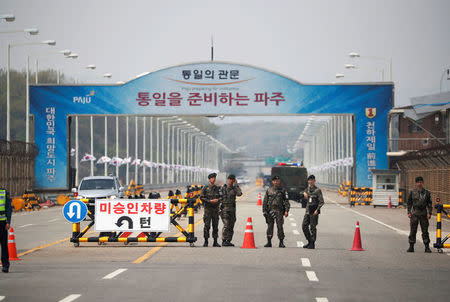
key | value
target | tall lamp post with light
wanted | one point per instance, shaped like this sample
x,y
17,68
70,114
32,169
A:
x,y
8,93
355,55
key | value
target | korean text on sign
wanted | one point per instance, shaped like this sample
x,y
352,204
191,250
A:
x,y
148,215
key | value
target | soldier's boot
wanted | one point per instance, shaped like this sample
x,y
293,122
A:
x,y
227,243
427,248
311,245
306,245
216,244
411,248
281,244
269,242
205,244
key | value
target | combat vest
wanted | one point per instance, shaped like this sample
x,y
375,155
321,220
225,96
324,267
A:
x,y
276,199
211,192
2,205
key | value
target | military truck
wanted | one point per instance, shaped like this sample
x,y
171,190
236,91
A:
x,y
293,178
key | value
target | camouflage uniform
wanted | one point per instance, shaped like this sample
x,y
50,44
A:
x,y
310,221
228,210
275,204
211,212
419,205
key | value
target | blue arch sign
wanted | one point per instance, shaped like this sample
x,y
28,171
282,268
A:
x,y
75,211
204,89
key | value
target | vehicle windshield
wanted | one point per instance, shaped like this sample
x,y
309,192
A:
x,y
97,184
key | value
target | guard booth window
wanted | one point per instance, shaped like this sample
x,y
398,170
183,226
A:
x,y
386,182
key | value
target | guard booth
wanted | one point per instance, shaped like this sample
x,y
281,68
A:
x,y
385,185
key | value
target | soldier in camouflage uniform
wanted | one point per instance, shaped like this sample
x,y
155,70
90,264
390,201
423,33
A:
x,y
275,205
211,197
228,209
419,210
315,201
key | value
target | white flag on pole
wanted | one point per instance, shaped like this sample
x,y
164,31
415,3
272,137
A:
x,y
88,157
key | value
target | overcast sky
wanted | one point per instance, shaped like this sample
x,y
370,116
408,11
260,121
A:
x,y
306,40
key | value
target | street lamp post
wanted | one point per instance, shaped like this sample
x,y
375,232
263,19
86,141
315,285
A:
x,y
355,55
8,93
8,17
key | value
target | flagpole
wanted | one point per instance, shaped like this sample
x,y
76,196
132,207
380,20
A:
x,y
76,151
106,144
92,144
117,144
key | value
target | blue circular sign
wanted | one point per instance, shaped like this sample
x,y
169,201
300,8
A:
x,y
75,211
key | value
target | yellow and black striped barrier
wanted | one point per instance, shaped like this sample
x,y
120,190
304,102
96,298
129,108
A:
x,y
77,235
440,243
361,196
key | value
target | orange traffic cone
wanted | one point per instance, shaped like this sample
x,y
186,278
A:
x,y
259,200
12,251
389,203
249,239
357,240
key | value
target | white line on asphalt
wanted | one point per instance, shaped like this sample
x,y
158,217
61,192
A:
x,y
1,298
23,226
401,232
321,299
53,220
115,273
294,224
312,276
295,232
70,298
300,244
306,262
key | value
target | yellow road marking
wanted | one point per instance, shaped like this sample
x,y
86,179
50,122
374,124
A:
x,y
42,247
45,246
157,248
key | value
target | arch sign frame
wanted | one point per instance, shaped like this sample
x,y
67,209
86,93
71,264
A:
x,y
208,88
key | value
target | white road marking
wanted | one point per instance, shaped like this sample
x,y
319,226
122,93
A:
x,y
115,273
401,232
300,244
295,232
312,276
306,262
23,226
2,298
321,299
53,220
70,298
294,224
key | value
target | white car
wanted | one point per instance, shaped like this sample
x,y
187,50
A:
x,y
94,187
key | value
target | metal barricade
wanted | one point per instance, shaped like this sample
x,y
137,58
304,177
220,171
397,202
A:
x,y
440,243
186,204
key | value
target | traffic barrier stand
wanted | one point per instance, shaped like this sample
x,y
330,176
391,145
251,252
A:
x,y
357,246
189,236
259,203
249,239
12,250
440,243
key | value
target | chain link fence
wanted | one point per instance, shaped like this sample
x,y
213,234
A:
x,y
17,166
433,165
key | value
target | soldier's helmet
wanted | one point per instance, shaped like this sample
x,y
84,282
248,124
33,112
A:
x,y
212,175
